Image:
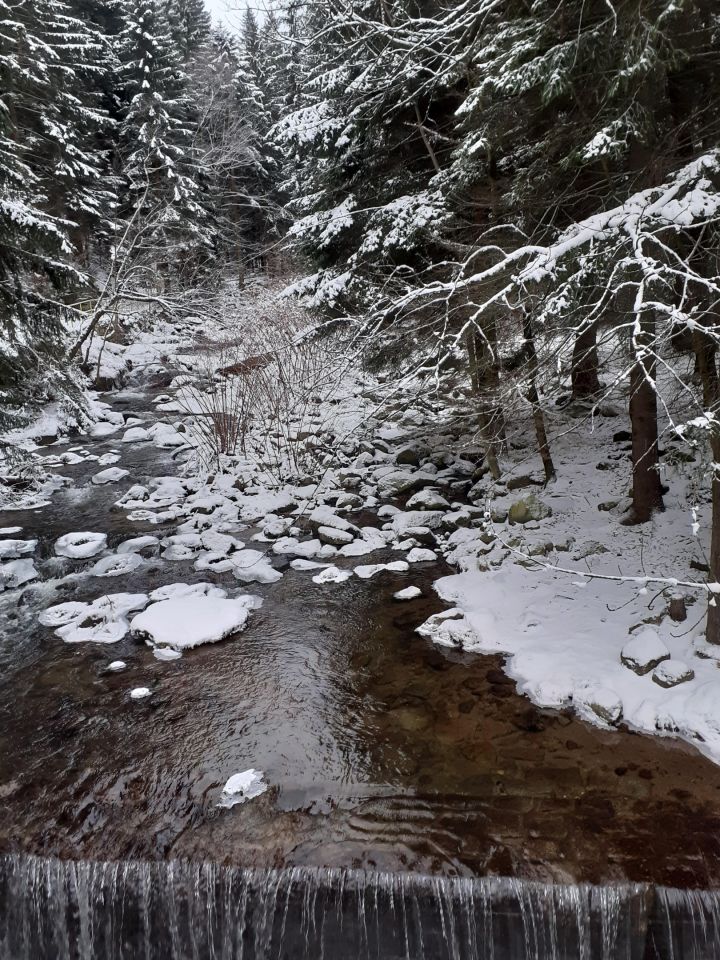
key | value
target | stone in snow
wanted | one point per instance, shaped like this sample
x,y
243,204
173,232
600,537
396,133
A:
x,y
420,555
409,593
80,546
117,666
191,621
139,693
13,549
111,475
644,652
242,787
332,575
670,673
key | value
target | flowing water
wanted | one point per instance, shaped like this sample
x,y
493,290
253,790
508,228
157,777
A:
x,y
177,910
400,774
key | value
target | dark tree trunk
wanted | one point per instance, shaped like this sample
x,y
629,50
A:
x,y
485,381
585,382
534,399
647,490
705,364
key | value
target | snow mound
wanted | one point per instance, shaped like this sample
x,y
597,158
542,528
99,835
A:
x,y
116,566
13,549
644,652
176,591
111,475
368,570
16,573
252,566
187,622
409,593
80,546
332,575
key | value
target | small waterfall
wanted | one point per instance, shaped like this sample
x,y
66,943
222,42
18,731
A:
x,y
151,911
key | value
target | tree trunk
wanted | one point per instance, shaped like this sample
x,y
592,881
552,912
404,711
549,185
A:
x,y
647,490
534,399
484,378
705,351
585,382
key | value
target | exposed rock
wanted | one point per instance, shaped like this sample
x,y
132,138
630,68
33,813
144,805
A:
x,y
402,481
644,652
606,704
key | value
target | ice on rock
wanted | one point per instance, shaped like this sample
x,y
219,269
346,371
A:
x,y
9,531
252,566
409,593
420,555
135,435
242,787
116,566
80,546
187,622
332,575
644,652
139,693
301,564
13,549
16,573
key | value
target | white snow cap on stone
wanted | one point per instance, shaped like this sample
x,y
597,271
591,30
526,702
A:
x,y
187,622
111,475
409,593
80,546
139,693
242,787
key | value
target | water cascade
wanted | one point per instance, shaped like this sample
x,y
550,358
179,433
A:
x,y
78,910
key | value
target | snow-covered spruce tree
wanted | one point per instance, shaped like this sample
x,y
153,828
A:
x,y
49,187
165,201
190,25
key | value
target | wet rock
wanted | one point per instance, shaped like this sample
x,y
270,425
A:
x,y
622,436
527,509
644,652
670,673
410,455
401,481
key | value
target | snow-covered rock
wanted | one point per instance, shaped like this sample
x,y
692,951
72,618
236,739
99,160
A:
x,y
252,566
117,666
644,651
188,622
13,549
138,544
16,573
308,549
366,571
139,693
242,787
420,555
116,566
80,546
111,475
428,499
671,673
334,536
93,629
332,575
176,591
135,435
408,593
